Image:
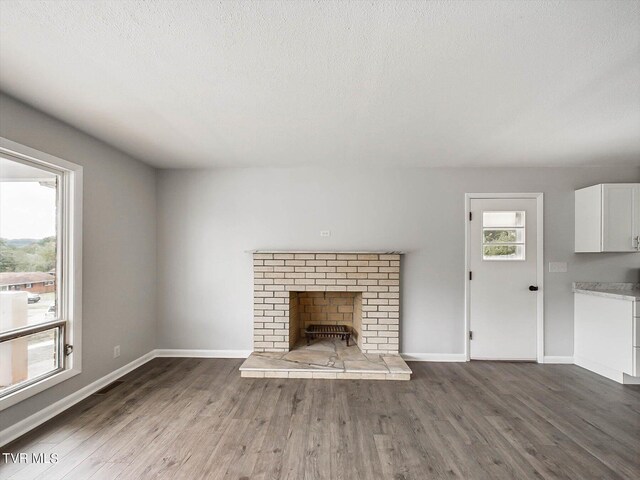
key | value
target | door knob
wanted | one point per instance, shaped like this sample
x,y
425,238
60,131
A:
x,y
533,288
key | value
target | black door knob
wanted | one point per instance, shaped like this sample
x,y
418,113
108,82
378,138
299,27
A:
x,y
533,288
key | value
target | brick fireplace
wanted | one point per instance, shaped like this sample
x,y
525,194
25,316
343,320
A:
x,y
295,289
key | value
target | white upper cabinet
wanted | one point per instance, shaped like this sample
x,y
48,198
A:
x,y
608,218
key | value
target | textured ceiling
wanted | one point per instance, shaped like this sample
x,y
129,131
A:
x,y
187,84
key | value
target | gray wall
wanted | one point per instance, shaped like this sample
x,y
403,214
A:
x,y
208,220
119,243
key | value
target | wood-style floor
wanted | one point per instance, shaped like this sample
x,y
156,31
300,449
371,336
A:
x,y
196,418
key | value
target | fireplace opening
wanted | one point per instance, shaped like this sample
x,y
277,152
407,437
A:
x,y
324,308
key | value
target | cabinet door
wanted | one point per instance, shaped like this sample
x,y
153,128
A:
x,y
619,217
636,203
603,333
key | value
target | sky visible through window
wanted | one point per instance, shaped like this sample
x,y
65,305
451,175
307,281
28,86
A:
x,y
27,210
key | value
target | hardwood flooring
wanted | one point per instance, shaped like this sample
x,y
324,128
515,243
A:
x,y
196,418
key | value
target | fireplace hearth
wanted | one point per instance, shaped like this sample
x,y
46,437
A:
x,y
357,292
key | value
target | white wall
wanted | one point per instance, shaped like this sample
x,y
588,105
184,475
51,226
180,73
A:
x,y
209,219
119,243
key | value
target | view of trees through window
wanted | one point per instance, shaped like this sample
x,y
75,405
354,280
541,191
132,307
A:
x,y
28,255
495,238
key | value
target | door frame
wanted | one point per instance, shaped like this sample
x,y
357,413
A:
x,y
539,196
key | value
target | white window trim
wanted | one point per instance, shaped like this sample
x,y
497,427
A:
x,y
71,286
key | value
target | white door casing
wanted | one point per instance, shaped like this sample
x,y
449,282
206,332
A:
x,y
504,315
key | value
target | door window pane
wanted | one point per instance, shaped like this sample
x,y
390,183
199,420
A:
x,y
503,235
503,219
503,252
512,235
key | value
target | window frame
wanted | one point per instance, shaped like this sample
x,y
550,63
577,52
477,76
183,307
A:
x,y
69,283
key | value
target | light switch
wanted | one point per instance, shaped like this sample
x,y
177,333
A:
x,y
557,267
325,233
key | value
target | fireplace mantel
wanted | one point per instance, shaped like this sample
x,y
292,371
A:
x,y
353,252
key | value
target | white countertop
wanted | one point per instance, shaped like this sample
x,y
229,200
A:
x,y
623,291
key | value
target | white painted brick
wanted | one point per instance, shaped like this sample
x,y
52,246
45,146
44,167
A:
x,y
305,256
388,308
295,263
336,288
388,334
262,294
389,295
380,289
274,262
378,301
274,338
377,340
283,269
337,263
389,269
274,275
263,269
316,263
377,327
315,275
388,321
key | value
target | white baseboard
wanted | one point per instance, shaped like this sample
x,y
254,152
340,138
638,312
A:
x,y
629,380
600,369
18,429
558,360
434,357
167,352
615,375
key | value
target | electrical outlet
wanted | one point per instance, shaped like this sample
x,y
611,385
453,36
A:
x,y
116,351
325,233
557,267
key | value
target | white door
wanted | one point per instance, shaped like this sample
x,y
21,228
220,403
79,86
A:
x,y
503,273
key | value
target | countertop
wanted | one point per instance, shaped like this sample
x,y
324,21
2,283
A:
x,y
624,291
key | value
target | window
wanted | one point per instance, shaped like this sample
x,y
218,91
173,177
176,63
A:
x,y
503,235
40,235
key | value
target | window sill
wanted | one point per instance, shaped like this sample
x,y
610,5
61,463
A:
x,y
36,388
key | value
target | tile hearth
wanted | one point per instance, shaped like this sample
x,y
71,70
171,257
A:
x,y
325,358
